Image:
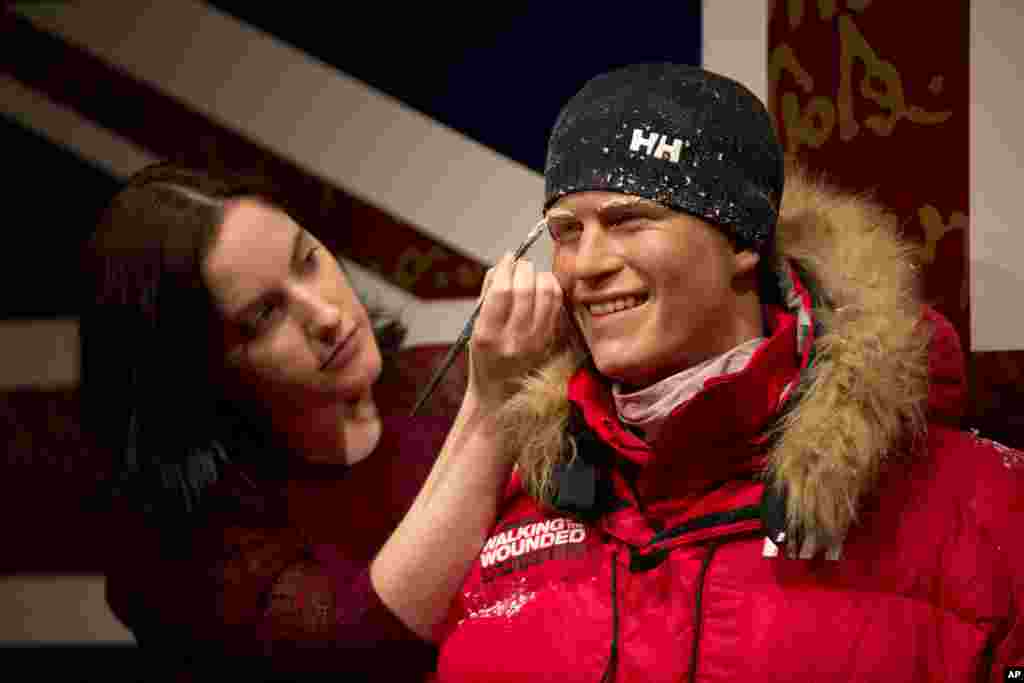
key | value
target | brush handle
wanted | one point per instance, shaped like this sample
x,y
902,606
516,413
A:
x,y
467,329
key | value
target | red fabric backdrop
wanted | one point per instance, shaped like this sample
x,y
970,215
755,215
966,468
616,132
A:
x,y
875,95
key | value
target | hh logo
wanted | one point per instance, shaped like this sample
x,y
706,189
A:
x,y
656,145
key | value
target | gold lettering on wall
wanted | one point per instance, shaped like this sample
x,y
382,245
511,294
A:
x,y
881,84
935,229
826,9
890,97
813,126
413,263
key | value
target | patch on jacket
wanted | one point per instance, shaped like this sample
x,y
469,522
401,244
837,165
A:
x,y
529,542
807,550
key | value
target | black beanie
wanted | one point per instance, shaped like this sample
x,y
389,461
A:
x,y
679,135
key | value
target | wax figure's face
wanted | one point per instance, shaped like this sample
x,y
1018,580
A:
x,y
653,290
294,331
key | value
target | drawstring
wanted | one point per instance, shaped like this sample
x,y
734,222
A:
x,y
609,671
697,625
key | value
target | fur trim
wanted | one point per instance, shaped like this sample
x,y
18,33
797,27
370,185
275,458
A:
x,y
868,390
865,397
534,421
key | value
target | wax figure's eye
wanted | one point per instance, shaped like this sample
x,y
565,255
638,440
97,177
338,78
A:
x,y
564,231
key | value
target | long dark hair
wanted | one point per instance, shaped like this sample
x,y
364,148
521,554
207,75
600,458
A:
x,y
150,341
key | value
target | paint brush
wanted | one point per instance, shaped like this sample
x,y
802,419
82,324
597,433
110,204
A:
x,y
467,330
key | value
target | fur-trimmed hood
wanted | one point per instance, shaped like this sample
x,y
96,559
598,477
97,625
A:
x,y
865,398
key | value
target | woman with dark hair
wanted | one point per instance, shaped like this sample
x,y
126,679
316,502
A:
x,y
229,367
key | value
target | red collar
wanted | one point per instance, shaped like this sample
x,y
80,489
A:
x,y
714,437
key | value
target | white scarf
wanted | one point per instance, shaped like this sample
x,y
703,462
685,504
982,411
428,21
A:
x,y
648,408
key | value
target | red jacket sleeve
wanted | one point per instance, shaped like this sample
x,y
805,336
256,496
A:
x,y
998,502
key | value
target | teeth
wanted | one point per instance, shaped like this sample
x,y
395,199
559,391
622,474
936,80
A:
x,y
614,306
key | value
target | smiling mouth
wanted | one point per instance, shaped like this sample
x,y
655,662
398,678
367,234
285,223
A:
x,y
342,345
609,307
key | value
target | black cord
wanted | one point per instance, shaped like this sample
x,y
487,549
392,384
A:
x,y
697,611
609,671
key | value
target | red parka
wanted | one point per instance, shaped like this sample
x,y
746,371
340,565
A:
x,y
671,574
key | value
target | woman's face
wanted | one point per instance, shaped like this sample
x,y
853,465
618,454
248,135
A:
x,y
654,291
295,334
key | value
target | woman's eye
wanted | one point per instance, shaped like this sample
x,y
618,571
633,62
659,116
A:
x,y
265,312
311,260
261,319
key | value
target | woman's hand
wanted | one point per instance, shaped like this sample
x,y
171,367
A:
x,y
458,503
514,331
